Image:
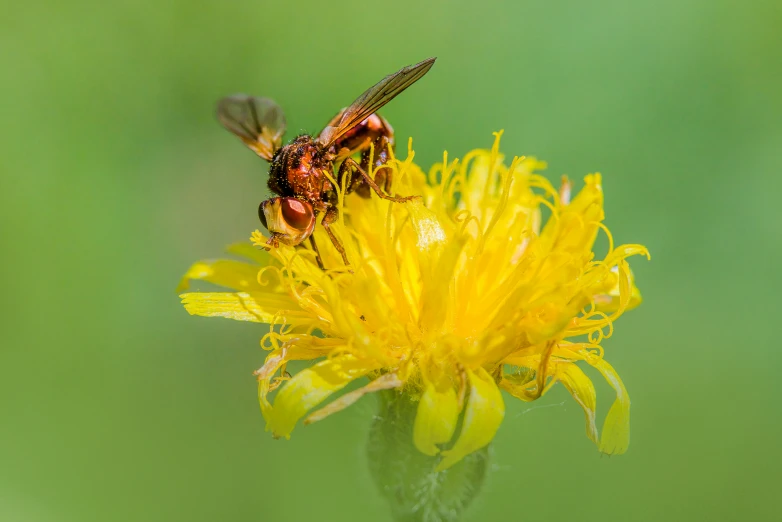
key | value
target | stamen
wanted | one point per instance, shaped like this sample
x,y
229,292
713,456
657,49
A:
x,y
311,328
447,176
608,234
371,167
494,157
431,176
460,179
586,312
554,212
274,338
587,347
537,181
465,218
505,192
401,168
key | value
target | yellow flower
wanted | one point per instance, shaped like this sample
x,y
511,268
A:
x,y
449,299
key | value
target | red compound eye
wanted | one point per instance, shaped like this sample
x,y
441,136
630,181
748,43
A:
x,y
296,213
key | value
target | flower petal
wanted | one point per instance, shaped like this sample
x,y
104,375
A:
x,y
310,387
482,417
256,307
577,227
436,296
429,229
236,275
582,389
436,417
295,348
265,373
384,382
611,299
616,428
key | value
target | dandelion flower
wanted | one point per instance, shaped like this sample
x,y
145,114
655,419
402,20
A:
x,y
448,300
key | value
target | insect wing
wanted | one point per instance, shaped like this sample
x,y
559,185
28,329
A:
x,y
373,99
259,122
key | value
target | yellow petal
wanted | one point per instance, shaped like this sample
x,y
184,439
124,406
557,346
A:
x,y
482,417
236,275
310,387
436,417
616,428
611,300
430,234
295,349
273,363
582,389
384,382
589,197
257,307
577,226
436,293
614,288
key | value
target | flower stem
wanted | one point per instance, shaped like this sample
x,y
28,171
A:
x,y
407,478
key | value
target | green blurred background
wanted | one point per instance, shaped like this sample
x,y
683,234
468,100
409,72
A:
x,y
116,405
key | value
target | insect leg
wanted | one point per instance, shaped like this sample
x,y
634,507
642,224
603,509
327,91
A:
x,y
330,217
351,163
383,175
375,134
317,253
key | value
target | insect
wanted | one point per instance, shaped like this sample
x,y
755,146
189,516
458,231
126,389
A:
x,y
298,171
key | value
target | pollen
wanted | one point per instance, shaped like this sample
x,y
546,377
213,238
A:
x,y
488,282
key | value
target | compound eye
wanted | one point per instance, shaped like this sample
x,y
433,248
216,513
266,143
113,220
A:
x,y
296,213
262,216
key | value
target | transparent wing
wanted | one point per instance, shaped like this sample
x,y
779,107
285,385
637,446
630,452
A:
x,y
259,122
373,99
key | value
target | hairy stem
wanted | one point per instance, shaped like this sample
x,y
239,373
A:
x,y
406,477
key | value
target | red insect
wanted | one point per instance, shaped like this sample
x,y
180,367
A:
x,y
298,170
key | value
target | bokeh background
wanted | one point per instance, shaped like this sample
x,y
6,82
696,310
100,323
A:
x,y
116,405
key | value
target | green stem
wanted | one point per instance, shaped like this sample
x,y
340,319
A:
x,y
406,477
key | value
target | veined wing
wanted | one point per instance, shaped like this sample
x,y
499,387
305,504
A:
x,y
258,122
373,99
